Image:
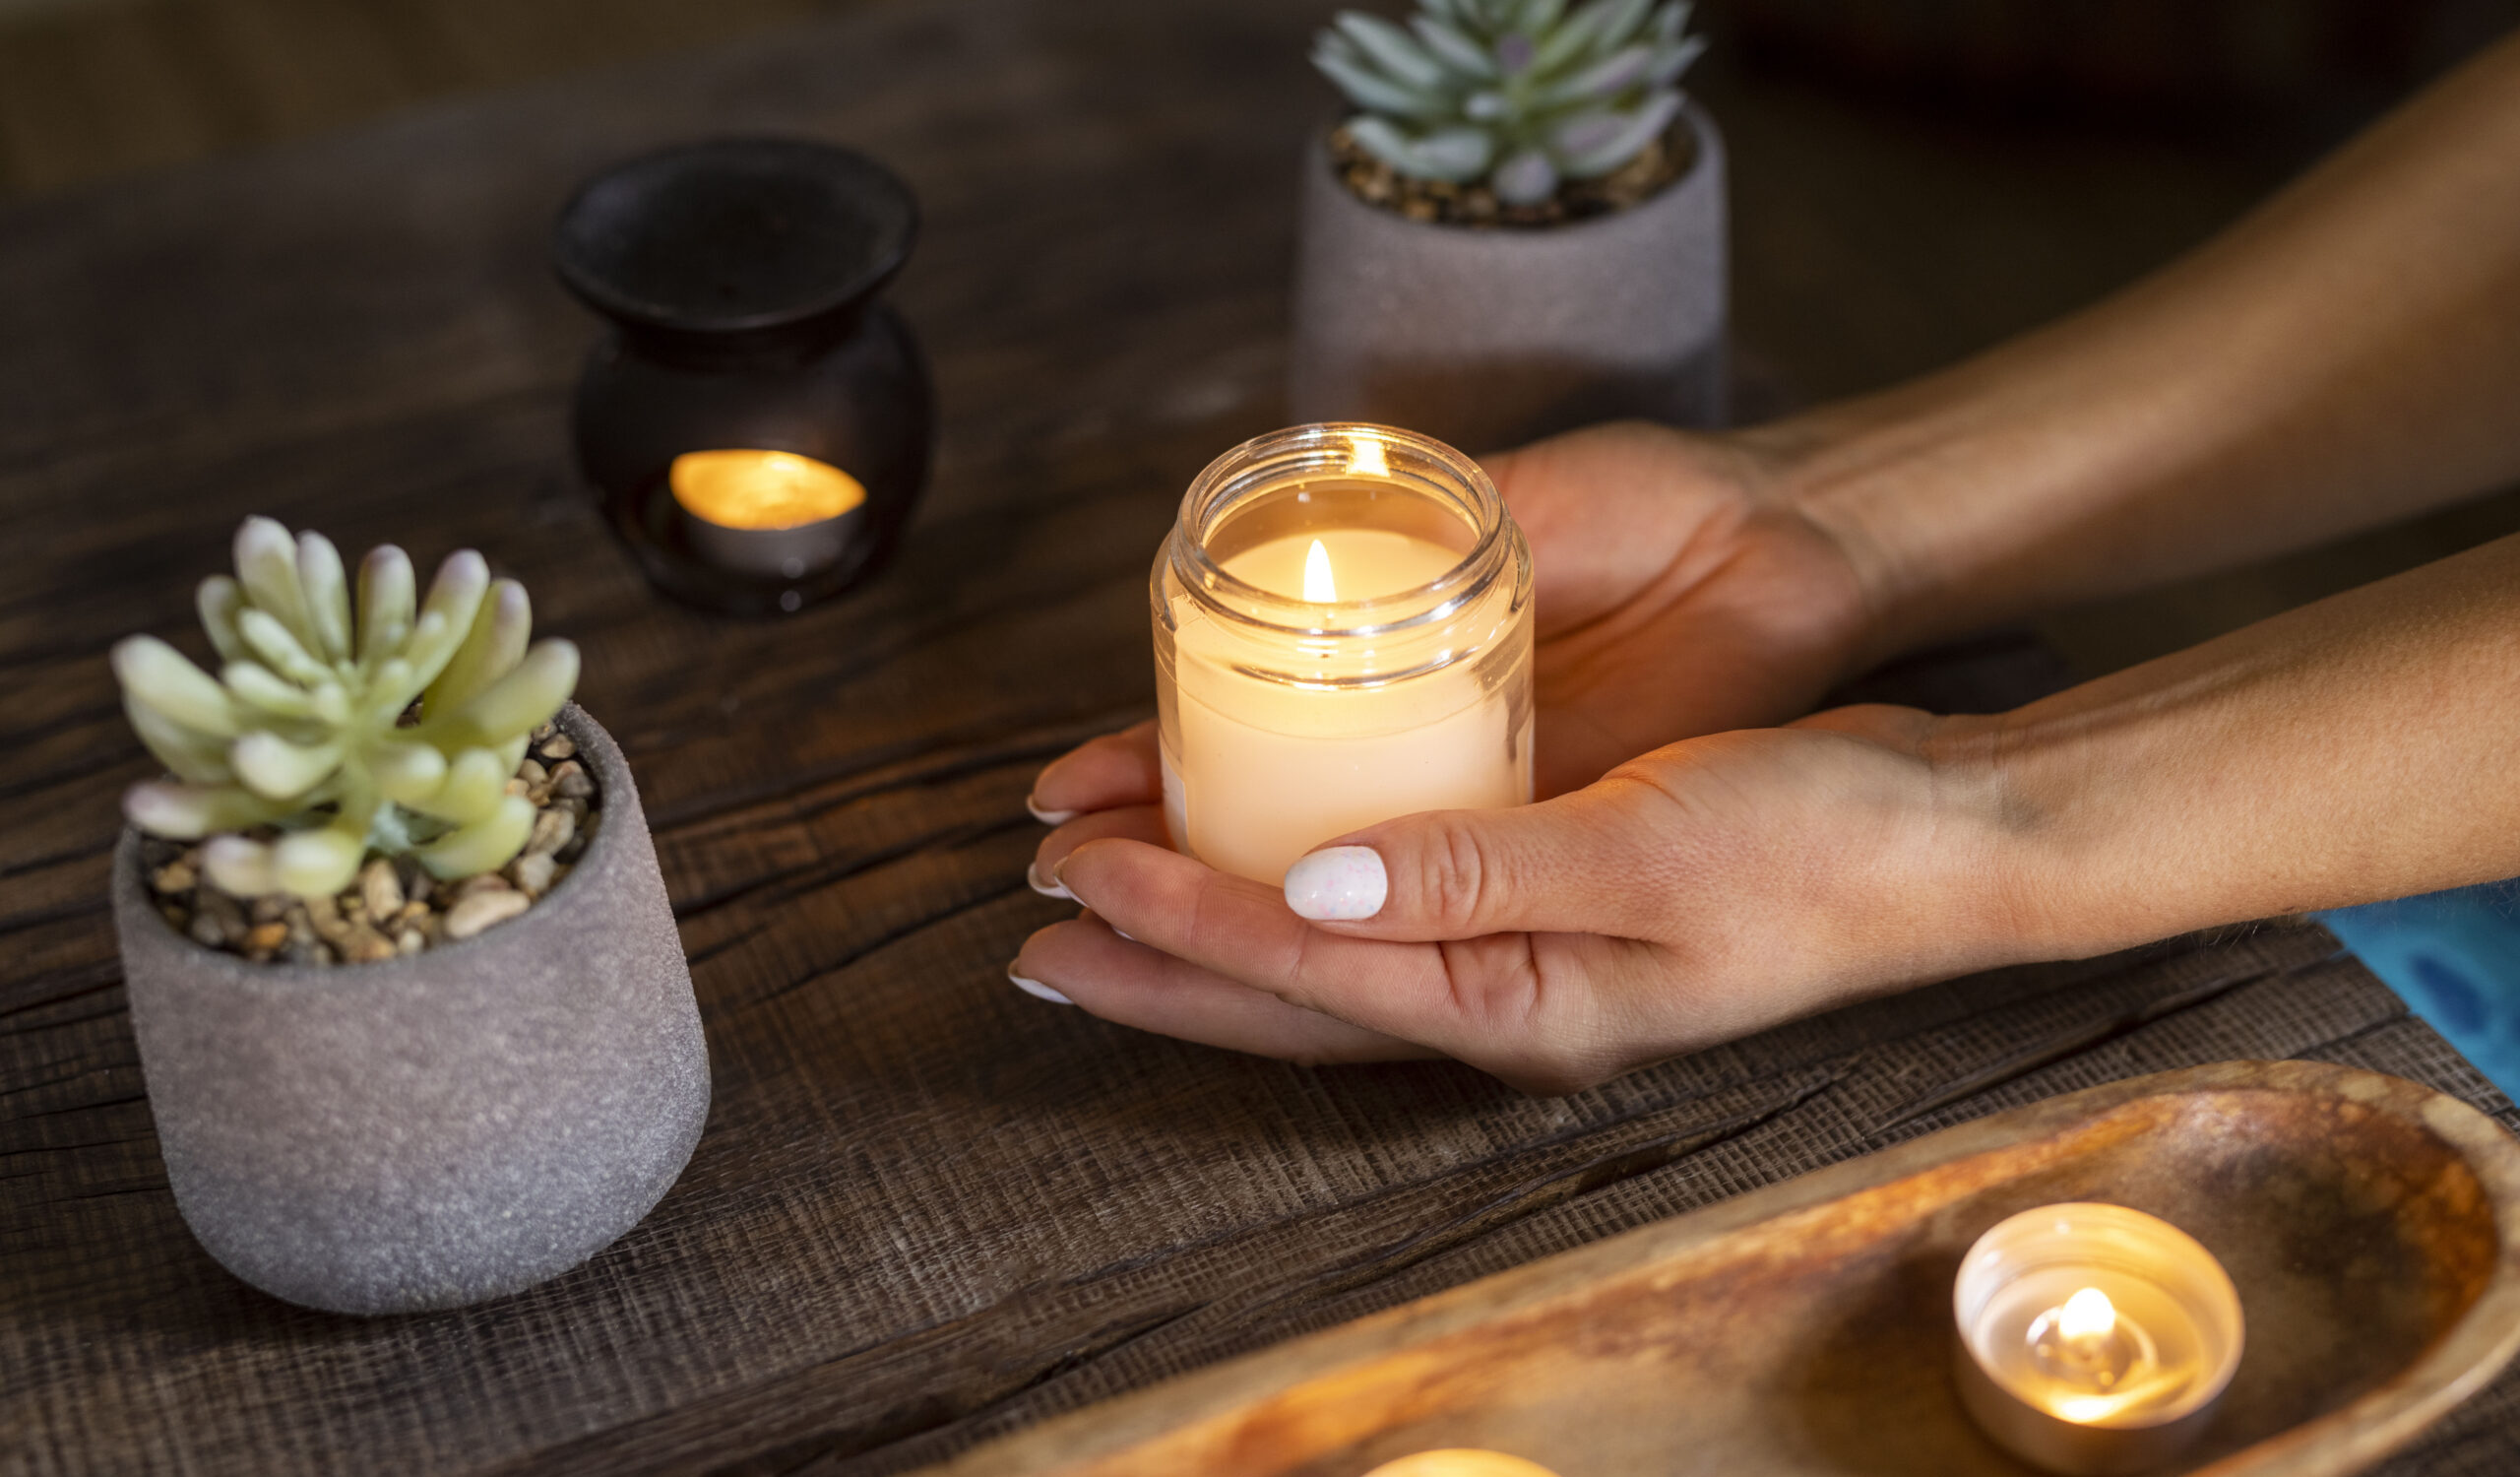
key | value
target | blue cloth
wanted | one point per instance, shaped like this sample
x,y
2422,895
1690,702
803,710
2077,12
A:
x,y
2455,958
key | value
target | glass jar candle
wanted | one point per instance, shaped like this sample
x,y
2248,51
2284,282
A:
x,y
1342,633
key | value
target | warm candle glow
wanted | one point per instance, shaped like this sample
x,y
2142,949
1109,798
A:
x,y
761,489
2093,1337
1318,586
1346,646
2088,1314
1460,1462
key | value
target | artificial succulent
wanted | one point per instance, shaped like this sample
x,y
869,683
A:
x,y
351,722
1521,94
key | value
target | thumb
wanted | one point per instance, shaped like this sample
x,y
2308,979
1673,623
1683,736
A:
x,y
1573,865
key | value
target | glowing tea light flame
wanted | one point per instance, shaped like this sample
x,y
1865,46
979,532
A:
x,y
1366,457
761,491
1318,586
2087,1314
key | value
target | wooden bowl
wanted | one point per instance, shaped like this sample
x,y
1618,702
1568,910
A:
x,y
2371,1226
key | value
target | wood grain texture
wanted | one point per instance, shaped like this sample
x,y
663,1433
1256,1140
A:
x,y
928,1209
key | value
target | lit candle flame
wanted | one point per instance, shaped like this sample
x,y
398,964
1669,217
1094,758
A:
x,y
1318,586
2088,1314
1366,457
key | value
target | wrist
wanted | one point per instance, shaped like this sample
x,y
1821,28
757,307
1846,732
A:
x,y
1863,476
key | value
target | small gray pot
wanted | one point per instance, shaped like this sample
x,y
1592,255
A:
x,y
440,1129
1488,338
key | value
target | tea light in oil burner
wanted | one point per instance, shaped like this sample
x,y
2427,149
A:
x,y
756,420
771,513
2093,1339
1342,634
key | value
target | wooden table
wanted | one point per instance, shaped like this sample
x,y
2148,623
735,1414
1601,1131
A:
x,y
928,1209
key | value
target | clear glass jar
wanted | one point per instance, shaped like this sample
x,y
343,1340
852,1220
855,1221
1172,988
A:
x,y
1342,633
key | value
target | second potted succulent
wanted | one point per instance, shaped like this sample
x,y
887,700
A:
x,y
1520,229
413,1011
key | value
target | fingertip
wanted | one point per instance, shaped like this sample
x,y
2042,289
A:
x,y
1046,816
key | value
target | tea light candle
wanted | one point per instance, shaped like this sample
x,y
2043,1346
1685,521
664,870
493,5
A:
x,y
2093,1339
773,513
1460,1462
1343,630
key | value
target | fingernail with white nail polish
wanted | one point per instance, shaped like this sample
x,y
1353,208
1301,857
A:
x,y
1047,887
1339,884
1048,817
1037,989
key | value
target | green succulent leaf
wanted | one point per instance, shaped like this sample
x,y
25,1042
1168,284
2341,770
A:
x,y
1374,91
1592,146
1457,51
328,595
189,812
267,567
485,845
318,863
167,679
218,601
1525,178
1392,49
242,868
388,596
191,756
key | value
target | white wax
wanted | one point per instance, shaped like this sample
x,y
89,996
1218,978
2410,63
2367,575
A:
x,y
1268,770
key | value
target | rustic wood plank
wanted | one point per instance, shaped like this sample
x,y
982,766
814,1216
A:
x,y
928,1209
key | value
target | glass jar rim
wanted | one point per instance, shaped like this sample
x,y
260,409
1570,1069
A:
x,y
1273,460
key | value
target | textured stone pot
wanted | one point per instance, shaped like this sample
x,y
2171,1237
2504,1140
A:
x,y
1488,338
436,1129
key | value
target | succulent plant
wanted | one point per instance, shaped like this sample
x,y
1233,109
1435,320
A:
x,y
393,730
1519,92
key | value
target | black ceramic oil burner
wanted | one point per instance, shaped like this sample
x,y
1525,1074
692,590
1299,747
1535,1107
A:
x,y
756,422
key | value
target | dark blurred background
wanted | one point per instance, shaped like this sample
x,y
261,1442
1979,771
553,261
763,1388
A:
x,y
1958,170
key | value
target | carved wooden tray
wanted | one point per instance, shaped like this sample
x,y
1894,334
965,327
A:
x,y
2373,1227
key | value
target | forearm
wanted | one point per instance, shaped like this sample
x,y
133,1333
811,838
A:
x,y
2347,355
2363,748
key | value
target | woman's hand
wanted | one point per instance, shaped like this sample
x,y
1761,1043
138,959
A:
x,y
1678,592
1699,893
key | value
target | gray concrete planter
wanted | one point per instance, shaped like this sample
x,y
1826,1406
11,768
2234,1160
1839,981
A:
x,y
437,1129
1490,338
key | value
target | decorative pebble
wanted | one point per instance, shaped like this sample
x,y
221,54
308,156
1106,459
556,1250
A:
x,y
531,872
559,746
532,773
482,909
410,941
570,779
270,909
364,946
205,932
265,937
380,889
552,830
174,876
471,887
